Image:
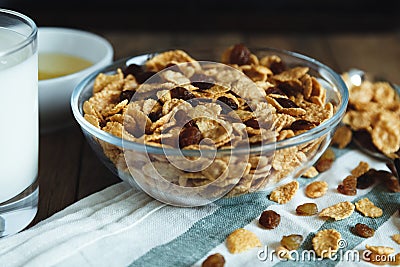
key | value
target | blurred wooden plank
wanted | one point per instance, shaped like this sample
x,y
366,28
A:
x,y
136,43
59,163
375,53
207,46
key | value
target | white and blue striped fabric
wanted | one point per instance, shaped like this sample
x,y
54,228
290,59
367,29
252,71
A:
x,y
121,226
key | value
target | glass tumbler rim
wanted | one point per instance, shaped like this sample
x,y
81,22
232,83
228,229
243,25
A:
x,y
27,40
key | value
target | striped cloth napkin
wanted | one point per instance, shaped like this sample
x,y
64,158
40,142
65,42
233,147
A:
x,y
121,226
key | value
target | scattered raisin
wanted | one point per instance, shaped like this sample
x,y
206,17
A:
x,y
392,184
275,91
189,136
363,230
215,260
126,95
325,162
348,191
240,55
229,102
307,209
302,125
269,219
181,93
286,103
348,186
291,242
253,123
367,179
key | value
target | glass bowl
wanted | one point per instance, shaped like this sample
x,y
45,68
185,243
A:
x,y
176,176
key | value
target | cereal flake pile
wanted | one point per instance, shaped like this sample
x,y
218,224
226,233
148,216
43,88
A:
x,y
163,112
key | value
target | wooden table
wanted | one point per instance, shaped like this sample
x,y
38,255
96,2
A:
x,y
69,169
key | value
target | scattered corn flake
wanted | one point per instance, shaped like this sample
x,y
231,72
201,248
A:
x,y
339,211
284,193
361,168
368,209
326,242
342,137
386,135
316,189
310,172
381,250
325,162
241,240
396,238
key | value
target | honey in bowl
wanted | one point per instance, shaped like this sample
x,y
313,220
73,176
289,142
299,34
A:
x,y
53,65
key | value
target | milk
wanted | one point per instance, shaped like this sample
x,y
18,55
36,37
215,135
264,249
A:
x,y
18,117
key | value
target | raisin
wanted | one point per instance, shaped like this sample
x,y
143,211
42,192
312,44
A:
x,y
286,103
133,69
345,190
325,162
202,81
189,136
348,186
275,91
367,179
292,242
145,76
302,125
277,67
155,115
215,260
191,123
388,179
240,55
229,102
269,219
181,93
253,123
290,89
126,95
307,209
363,230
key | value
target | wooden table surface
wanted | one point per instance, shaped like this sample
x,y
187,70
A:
x,y
69,169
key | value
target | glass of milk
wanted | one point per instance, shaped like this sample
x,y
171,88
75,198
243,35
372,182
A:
x,y
19,122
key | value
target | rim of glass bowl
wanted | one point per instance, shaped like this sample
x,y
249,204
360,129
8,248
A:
x,y
28,39
308,136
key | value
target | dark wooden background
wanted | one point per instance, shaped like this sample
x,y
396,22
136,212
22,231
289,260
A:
x,y
341,34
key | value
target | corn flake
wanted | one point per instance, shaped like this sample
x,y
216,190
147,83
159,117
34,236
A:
x,y
368,209
326,242
241,240
284,193
339,211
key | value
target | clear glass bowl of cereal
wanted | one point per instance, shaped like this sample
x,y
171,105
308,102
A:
x,y
189,132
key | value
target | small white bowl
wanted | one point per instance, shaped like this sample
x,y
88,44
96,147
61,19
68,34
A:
x,y
55,94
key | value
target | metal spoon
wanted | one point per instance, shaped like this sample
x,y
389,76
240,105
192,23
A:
x,y
362,139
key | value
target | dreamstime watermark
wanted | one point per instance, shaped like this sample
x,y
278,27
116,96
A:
x,y
270,255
